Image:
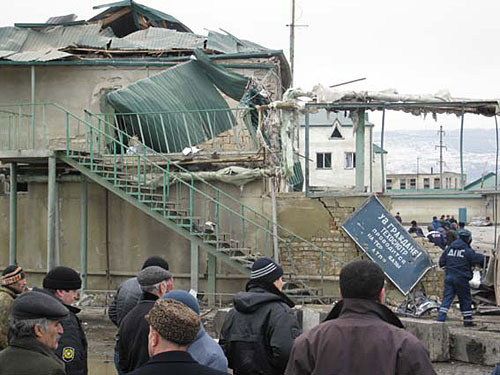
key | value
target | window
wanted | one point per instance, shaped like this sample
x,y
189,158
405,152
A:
x,y
324,160
336,134
427,183
437,183
22,187
413,183
350,160
388,184
402,184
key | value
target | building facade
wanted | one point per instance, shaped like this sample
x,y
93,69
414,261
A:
x,y
332,150
423,181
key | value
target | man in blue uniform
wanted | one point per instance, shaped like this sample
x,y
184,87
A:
x,y
457,261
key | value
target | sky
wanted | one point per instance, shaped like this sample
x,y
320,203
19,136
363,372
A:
x,y
413,47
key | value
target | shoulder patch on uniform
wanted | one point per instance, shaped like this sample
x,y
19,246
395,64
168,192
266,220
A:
x,y
68,354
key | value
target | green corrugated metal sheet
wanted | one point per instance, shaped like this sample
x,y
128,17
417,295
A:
x,y
150,13
297,179
228,43
160,39
185,88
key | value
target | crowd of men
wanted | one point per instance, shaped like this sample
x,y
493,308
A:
x,y
160,331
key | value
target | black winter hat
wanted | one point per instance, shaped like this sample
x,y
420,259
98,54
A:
x,y
62,277
265,269
155,260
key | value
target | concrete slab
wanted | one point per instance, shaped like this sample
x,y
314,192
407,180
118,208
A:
x,y
473,346
434,335
458,368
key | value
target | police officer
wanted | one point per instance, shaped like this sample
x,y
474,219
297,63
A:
x,y
457,261
63,283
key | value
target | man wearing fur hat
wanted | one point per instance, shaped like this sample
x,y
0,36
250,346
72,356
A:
x,y
257,335
35,331
172,327
134,329
63,283
13,283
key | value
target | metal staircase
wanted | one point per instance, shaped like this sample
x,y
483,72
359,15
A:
x,y
199,211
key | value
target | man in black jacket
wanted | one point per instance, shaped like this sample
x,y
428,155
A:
x,y
172,327
63,283
134,329
258,333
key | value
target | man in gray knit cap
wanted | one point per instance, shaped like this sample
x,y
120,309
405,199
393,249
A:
x,y
134,329
35,332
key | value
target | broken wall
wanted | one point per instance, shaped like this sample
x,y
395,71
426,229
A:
x,y
319,220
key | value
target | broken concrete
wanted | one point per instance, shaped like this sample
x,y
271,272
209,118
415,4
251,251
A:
x,y
474,346
434,335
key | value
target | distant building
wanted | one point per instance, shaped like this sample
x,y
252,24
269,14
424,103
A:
x,y
423,181
332,153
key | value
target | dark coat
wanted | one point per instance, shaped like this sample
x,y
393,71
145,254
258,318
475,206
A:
x,y
175,362
133,335
127,295
258,333
72,347
458,259
362,337
28,356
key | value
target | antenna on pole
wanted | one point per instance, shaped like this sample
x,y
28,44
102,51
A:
x,y
441,132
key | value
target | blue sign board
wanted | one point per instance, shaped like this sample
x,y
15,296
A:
x,y
388,244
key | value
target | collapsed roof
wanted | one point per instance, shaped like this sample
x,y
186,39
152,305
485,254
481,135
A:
x,y
125,29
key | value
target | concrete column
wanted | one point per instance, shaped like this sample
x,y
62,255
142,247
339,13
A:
x,y
212,272
360,151
51,217
195,255
13,215
83,231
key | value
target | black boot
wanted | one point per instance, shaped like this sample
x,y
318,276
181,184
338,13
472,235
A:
x,y
469,323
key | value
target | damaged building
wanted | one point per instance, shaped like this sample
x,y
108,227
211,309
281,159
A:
x,y
142,139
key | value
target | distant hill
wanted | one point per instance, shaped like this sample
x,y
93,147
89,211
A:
x,y
404,147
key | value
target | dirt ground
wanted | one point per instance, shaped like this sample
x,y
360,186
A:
x,y
101,336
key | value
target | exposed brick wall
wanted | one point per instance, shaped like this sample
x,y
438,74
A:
x,y
329,236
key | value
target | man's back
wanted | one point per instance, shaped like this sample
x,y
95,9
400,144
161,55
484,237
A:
x,y
133,336
360,341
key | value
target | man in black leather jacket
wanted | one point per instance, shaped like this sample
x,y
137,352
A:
x,y
258,334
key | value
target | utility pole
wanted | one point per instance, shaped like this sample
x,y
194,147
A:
x,y
292,41
441,161
292,26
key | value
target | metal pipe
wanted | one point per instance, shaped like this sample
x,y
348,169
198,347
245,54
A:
x,y
33,105
51,209
276,248
194,266
306,150
13,215
57,258
292,43
84,192
462,180
360,151
211,281
382,152
495,197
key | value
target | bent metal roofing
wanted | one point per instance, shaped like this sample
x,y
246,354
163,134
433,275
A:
x,y
79,39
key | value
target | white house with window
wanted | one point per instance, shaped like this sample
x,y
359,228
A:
x,y
332,153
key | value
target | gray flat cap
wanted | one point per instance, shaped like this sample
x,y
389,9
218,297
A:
x,y
153,275
36,305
